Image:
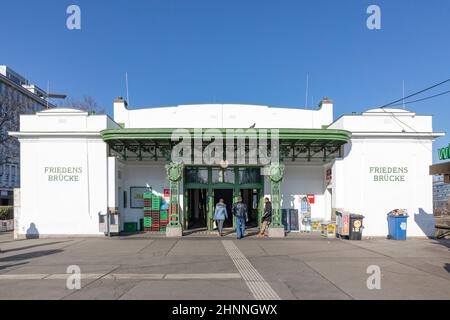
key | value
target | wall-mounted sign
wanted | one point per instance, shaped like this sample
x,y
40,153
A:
x,y
444,153
137,197
166,193
63,174
311,198
388,174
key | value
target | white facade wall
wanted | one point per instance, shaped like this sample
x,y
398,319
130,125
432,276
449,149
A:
x,y
223,116
64,167
356,191
299,181
386,140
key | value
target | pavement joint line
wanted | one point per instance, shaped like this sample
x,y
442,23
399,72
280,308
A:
x,y
326,279
171,247
146,246
176,276
91,282
122,276
260,288
37,276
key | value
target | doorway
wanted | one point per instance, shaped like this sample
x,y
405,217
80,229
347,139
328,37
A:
x,y
251,198
197,209
227,196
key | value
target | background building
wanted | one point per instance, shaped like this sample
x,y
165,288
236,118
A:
x,y
441,196
17,96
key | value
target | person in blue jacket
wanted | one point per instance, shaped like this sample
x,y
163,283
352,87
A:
x,y
220,214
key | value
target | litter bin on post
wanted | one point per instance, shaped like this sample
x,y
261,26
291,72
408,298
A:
x,y
356,227
397,223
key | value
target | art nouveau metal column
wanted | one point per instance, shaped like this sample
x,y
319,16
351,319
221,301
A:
x,y
174,174
276,173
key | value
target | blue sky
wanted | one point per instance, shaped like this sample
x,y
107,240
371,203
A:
x,y
234,51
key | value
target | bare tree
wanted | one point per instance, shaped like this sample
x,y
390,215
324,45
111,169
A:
x,y
87,103
10,110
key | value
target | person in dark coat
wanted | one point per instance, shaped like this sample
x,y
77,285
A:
x,y
239,210
266,218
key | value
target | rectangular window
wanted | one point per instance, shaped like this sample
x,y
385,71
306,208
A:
x,y
249,175
197,175
222,175
125,199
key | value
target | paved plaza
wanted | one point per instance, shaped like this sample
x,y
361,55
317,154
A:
x,y
203,267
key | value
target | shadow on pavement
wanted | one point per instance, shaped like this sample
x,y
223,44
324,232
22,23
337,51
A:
x,y
12,265
32,246
31,255
445,243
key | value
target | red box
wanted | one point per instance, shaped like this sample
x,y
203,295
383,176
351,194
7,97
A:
x,y
311,198
166,193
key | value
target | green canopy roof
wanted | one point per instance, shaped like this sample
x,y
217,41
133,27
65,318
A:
x,y
154,143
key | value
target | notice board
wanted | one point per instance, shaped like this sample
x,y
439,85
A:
x,y
293,220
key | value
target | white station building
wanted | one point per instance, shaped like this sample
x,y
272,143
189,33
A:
x,y
85,175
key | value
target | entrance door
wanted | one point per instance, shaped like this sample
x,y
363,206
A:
x,y
227,196
198,209
251,198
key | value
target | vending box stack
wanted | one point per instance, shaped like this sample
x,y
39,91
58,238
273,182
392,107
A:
x,y
155,212
155,220
147,212
164,220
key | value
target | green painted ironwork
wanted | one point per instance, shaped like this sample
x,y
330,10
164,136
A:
x,y
155,144
174,174
210,187
276,173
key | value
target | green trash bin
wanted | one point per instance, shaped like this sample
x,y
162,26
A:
x,y
130,226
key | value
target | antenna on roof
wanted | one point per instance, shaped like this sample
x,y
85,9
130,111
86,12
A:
x,y
403,101
307,88
126,85
48,90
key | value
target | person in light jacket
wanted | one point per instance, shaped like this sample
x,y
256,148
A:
x,y
220,214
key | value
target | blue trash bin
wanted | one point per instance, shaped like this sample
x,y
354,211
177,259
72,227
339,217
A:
x,y
397,227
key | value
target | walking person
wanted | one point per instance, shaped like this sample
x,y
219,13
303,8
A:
x,y
220,214
266,218
240,212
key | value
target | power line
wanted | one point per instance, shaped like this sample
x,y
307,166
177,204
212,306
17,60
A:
x,y
416,93
423,99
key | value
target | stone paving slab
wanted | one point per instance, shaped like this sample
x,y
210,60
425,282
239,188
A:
x,y
189,290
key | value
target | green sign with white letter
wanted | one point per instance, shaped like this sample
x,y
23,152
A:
x,y
444,153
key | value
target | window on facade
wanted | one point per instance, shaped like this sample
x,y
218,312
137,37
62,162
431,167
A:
x,y
220,175
196,175
249,175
